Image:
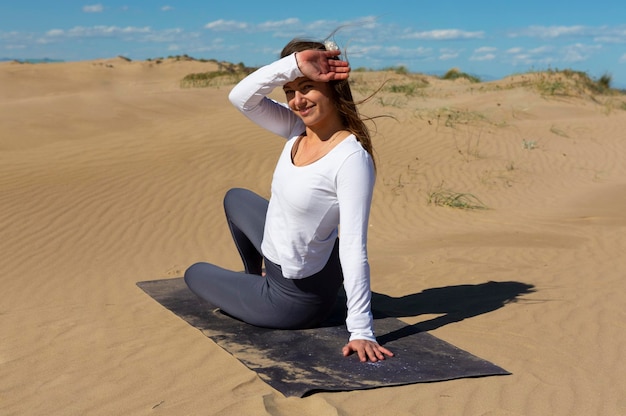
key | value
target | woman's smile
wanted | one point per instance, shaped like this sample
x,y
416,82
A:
x,y
305,111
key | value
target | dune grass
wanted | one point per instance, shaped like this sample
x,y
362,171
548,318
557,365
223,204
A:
x,y
453,117
409,89
455,73
226,74
568,82
446,198
206,79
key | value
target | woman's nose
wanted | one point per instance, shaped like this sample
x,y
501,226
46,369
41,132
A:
x,y
298,97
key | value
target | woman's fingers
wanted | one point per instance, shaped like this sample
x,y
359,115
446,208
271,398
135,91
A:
x,y
321,65
366,350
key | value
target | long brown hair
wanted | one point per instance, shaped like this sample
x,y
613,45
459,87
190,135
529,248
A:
x,y
342,95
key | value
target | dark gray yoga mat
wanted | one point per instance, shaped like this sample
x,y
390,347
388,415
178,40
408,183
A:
x,y
302,362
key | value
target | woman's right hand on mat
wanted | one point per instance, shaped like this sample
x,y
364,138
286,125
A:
x,y
366,350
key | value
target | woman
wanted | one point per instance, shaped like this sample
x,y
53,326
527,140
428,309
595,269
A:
x,y
325,176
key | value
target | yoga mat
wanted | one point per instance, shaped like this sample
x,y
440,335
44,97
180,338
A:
x,y
302,362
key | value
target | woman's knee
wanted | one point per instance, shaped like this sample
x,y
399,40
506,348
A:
x,y
194,273
234,197
238,196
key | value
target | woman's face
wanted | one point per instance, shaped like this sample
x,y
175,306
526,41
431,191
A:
x,y
311,101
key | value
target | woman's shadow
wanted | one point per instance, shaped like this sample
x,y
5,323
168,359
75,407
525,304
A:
x,y
453,303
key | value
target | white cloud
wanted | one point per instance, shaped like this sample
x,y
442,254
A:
x,y
414,53
292,26
389,52
174,36
523,58
166,8
367,22
448,53
320,24
97,31
167,35
13,35
279,24
448,56
609,39
325,27
550,55
579,52
484,53
600,34
359,29
543,55
612,35
94,8
226,25
445,34
550,31
55,32
541,50
485,57
213,46
622,60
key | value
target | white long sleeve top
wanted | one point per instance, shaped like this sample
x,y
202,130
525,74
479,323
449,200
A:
x,y
308,203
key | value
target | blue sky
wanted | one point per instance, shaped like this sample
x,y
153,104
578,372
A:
x,y
486,38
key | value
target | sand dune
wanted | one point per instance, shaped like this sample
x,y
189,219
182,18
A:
x,y
110,174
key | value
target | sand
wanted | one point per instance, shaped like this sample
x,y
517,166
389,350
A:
x,y
111,173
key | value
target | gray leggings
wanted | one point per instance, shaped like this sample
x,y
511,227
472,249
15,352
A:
x,y
272,301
